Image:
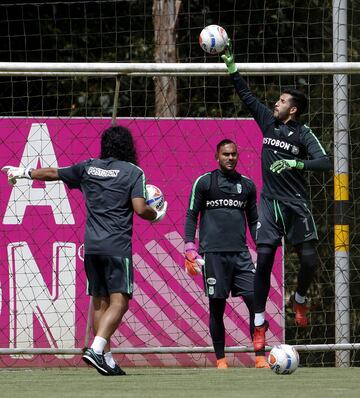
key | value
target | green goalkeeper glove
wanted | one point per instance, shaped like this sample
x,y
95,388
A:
x,y
286,164
228,58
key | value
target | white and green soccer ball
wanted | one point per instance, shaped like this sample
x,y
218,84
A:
x,y
283,359
213,39
154,197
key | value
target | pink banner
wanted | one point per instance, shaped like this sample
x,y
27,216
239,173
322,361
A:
x,y
42,297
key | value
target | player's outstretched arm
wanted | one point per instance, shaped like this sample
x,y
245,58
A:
x,y
259,111
319,164
43,174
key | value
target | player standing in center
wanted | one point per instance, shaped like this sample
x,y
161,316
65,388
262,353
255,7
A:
x,y
289,149
226,202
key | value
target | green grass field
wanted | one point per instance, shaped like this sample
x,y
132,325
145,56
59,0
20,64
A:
x,y
180,382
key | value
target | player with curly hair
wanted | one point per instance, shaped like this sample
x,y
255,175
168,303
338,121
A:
x,y
113,187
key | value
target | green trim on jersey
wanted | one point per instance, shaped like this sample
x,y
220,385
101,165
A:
x,y
127,269
275,211
143,178
144,184
248,178
192,197
276,202
316,139
312,219
204,276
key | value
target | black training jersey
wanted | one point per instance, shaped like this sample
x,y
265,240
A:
x,y
283,141
108,186
225,203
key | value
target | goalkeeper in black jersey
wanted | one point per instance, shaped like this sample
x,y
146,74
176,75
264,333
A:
x,y
289,149
226,202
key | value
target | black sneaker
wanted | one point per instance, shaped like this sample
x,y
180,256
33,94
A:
x,y
97,361
116,371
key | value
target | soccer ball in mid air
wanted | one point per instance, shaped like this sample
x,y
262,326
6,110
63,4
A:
x,y
213,39
154,197
283,359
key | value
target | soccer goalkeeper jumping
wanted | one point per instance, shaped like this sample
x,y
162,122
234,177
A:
x,y
289,149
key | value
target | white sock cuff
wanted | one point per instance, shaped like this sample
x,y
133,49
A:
x,y
259,318
98,344
299,299
109,359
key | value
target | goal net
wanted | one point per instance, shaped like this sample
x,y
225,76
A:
x,y
54,118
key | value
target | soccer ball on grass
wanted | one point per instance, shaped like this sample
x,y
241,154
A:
x,y
283,359
213,39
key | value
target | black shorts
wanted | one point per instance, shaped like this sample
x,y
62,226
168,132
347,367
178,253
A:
x,y
108,274
227,272
290,219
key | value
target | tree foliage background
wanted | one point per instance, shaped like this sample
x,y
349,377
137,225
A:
x,y
261,31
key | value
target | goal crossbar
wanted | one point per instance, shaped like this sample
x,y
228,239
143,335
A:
x,y
173,350
177,69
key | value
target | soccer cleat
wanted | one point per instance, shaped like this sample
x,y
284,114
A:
x,y
259,336
98,362
261,362
116,371
222,363
301,311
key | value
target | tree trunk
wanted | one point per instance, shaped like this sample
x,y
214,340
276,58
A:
x,y
165,14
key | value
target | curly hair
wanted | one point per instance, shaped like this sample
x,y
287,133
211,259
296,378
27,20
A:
x,y
117,142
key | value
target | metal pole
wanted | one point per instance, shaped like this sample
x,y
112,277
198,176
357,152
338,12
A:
x,y
116,101
174,69
171,350
341,184
88,323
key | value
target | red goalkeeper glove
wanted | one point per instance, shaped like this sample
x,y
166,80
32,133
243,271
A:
x,y
193,260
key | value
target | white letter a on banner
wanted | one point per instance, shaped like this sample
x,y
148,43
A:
x,y
38,150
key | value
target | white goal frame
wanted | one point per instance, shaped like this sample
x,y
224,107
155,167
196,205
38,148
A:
x,y
174,69
337,69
